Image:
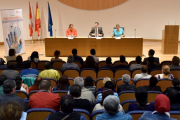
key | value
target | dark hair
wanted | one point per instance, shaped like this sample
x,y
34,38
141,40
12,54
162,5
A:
x,y
108,60
173,95
153,81
122,59
67,103
70,25
36,83
175,82
74,51
44,85
175,61
90,63
47,65
109,85
151,59
151,52
27,64
93,51
8,86
75,90
144,69
138,59
2,79
97,23
63,83
34,54
10,65
19,59
57,53
11,110
88,81
105,93
141,97
18,83
12,52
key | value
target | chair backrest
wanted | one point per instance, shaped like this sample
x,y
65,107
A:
x,y
127,95
57,64
164,83
72,73
142,82
133,62
83,112
175,114
21,94
126,104
1,70
95,113
103,72
136,114
32,92
88,72
12,61
99,83
165,63
34,65
60,72
156,71
152,95
78,63
71,81
136,71
101,63
120,82
176,73
53,81
19,70
120,72
39,113
154,63
40,64
60,92
119,63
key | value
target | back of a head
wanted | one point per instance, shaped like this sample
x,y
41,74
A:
x,y
153,81
151,60
105,93
19,59
108,60
27,64
47,65
126,78
10,66
11,110
122,59
12,52
90,62
34,54
2,79
37,82
67,103
79,81
109,85
88,81
151,52
175,82
74,51
144,69
93,51
45,85
75,90
106,79
162,103
173,95
8,86
138,59
70,59
63,83
111,104
57,53
175,61
18,83
166,71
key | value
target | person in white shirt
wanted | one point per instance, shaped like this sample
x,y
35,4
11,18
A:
x,y
144,74
137,65
93,54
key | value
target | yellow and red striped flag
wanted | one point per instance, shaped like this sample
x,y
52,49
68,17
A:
x,y
30,21
37,20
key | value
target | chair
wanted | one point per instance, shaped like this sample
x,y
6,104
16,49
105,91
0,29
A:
x,y
120,82
88,72
164,83
2,69
135,71
21,94
104,72
32,92
34,65
127,95
142,82
57,64
152,95
120,72
72,73
78,63
60,92
101,63
156,71
71,81
12,61
83,112
19,70
95,113
60,72
133,62
118,63
126,104
53,81
176,73
175,114
137,114
165,63
40,70
99,83
41,63
39,113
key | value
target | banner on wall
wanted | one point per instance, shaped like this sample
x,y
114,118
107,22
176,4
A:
x,y
12,23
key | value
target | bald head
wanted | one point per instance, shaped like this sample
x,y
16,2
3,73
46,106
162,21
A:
x,y
45,85
47,65
144,69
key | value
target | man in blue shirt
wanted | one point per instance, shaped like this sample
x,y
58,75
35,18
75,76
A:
x,y
29,72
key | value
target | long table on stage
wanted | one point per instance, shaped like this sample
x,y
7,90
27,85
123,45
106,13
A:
x,y
105,47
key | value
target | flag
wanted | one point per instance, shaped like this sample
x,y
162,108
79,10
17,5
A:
x,y
50,22
30,21
37,20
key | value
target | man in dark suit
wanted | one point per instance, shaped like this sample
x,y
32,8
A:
x,y
151,65
151,54
76,57
96,31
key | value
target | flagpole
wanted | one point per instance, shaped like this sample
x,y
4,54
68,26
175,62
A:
x,y
32,33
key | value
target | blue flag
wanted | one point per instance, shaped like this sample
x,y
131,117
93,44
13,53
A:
x,y
50,22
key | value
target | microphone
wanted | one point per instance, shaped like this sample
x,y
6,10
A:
x,y
55,33
135,32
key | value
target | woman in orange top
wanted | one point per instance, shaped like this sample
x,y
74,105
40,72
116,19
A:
x,y
71,32
35,86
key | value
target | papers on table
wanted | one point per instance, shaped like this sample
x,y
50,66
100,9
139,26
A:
x,y
117,37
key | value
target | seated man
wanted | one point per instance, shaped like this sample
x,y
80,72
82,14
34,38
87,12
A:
x,y
111,105
144,74
2,79
137,65
125,87
49,72
71,32
9,88
122,60
96,31
109,64
93,54
151,65
29,71
70,64
44,98
67,104
151,54
76,57
10,73
85,93
80,103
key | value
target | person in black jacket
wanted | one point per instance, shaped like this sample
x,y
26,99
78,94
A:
x,y
76,57
109,64
175,83
151,54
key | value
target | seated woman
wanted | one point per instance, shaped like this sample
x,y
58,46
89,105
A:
x,y
165,73
21,86
105,93
12,55
56,56
89,84
35,86
19,61
141,97
162,108
90,63
34,57
175,63
104,82
71,32
118,32
62,84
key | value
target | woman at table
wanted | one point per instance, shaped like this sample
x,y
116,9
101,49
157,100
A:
x,y
118,32
71,32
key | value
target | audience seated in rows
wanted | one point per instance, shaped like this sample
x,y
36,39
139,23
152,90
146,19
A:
x,y
62,84
76,57
137,65
19,61
12,55
67,104
175,83
2,62
144,74
90,63
2,79
49,72
34,57
141,95
9,87
165,73
44,98
175,63
109,64
56,56
108,85
80,103
111,105
122,61
162,108
85,93
21,86
104,82
126,86
152,85
151,54
93,54
29,71
89,84
35,86
10,72
70,64
151,66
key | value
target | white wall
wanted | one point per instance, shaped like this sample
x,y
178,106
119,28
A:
x,y
148,17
